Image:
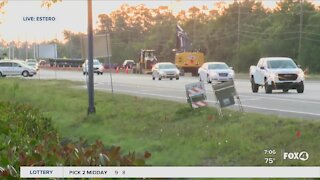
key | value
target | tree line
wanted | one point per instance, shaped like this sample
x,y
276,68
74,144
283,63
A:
x,y
239,33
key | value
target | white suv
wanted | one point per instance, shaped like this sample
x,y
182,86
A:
x,y
16,67
97,67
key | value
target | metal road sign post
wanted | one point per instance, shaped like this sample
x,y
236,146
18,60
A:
x,y
196,95
109,57
225,93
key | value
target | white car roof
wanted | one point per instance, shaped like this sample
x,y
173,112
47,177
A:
x,y
14,60
276,58
93,60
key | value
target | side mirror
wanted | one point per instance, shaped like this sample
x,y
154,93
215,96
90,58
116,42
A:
x,y
262,67
299,66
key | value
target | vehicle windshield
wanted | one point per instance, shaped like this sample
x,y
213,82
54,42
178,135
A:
x,y
279,64
218,66
167,66
31,60
96,62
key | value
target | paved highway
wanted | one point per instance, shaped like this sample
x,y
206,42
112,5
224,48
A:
x,y
291,104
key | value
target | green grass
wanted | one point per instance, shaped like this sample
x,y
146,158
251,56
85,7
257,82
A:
x,y
172,132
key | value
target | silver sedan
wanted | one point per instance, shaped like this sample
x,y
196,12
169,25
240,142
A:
x,y
215,71
16,67
165,70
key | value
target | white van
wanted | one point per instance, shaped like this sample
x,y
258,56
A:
x,y
16,68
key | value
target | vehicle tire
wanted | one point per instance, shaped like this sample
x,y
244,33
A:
x,y
267,88
200,80
159,78
285,90
300,88
25,73
101,73
84,73
170,78
153,78
177,78
208,79
254,86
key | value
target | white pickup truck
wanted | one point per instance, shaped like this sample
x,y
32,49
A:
x,y
276,73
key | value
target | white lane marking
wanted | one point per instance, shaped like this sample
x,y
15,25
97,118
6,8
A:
x,y
150,94
280,110
159,88
253,107
171,89
253,99
281,99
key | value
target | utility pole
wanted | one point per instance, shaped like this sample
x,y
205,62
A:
x,y
26,50
34,50
91,108
300,30
9,51
109,55
238,35
193,31
13,52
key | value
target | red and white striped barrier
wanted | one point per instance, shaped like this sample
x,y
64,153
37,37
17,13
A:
x,y
199,104
196,95
195,91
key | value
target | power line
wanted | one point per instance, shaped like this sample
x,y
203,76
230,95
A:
x,y
222,37
315,34
315,40
268,33
271,39
318,26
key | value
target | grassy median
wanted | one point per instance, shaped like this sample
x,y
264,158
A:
x,y
172,132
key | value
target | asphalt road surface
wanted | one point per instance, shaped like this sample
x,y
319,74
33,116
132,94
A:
x,y
291,104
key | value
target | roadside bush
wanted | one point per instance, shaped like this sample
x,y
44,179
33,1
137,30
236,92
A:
x,y
27,138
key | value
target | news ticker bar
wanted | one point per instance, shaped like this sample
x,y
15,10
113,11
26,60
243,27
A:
x,y
167,172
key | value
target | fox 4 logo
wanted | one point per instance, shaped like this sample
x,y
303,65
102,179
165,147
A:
x,y
303,156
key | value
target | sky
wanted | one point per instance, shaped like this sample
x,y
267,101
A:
x,y
72,15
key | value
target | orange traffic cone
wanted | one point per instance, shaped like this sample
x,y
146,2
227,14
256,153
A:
x,y
127,70
117,70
